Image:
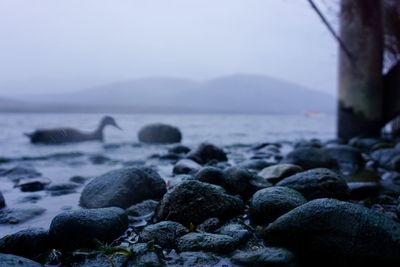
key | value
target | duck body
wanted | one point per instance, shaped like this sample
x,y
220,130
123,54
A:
x,y
70,135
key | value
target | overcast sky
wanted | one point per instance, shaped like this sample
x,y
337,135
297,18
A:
x,y
66,45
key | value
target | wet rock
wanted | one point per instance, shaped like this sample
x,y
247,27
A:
x,y
276,173
194,258
146,255
8,260
364,144
362,190
395,163
96,260
123,188
99,159
19,215
179,149
237,231
186,166
62,189
78,179
349,159
207,152
270,203
268,256
209,225
163,233
193,202
242,182
143,208
254,164
317,183
80,228
329,232
170,156
20,172
33,198
159,133
310,158
211,175
32,185
206,242
2,201
312,143
384,157
28,243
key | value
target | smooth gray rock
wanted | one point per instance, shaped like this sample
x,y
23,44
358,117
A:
x,y
8,260
62,189
19,215
143,208
207,152
194,258
20,172
329,232
163,233
28,243
122,188
206,242
310,158
269,256
32,184
186,166
146,255
254,164
268,204
235,230
80,228
384,157
348,158
211,175
276,173
193,202
317,183
159,133
179,149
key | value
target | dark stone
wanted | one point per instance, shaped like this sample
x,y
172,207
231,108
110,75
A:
x,y
159,133
8,260
146,255
384,157
313,143
19,215
209,225
2,201
193,202
270,203
362,190
96,260
193,258
276,173
20,172
163,233
186,166
254,164
317,183
349,159
310,158
207,152
143,208
33,198
99,159
170,156
328,232
206,242
179,149
78,179
29,243
80,228
269,256
32,185
211,175
62,189
364,144
123,188
242,182
235,230
395,163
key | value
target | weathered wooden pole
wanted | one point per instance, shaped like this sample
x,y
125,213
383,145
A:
x,y
360,84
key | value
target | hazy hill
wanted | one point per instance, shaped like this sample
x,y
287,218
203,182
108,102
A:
x,y
240,93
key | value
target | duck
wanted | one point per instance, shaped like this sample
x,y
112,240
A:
x,y
70,135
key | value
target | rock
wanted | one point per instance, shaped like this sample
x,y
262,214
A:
x,y
78,179
364,144
385,156
211,175
235,230
99,159
207,152
62,189
395,163
254,164
186,166
28,243
193,202
362,190
96,259
328,232
206,242
32,185
193,258
20,172
163,233
179,149
19,215
146,255
80,228
349,159
122,188
8,260
2,201
317,183
310,158
276,173
242,182
170,156
312,143
159,133
209,225
143,208
268,256
270,203
32,198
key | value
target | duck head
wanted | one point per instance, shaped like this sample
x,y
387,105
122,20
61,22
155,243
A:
x,y
108,120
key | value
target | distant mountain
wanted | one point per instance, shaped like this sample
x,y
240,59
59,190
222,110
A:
x,y
240,93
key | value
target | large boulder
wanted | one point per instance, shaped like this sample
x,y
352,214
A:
x,y
317,183
193,202
207,152
8,260
164,233
270,203
123,188
81,228
159,133
310,158
328,232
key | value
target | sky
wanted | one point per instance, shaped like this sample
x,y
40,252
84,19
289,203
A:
x,y
49,46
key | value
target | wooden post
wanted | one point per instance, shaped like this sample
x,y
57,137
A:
x,y
360,84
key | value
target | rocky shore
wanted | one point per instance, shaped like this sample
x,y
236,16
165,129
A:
x,y
305,203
